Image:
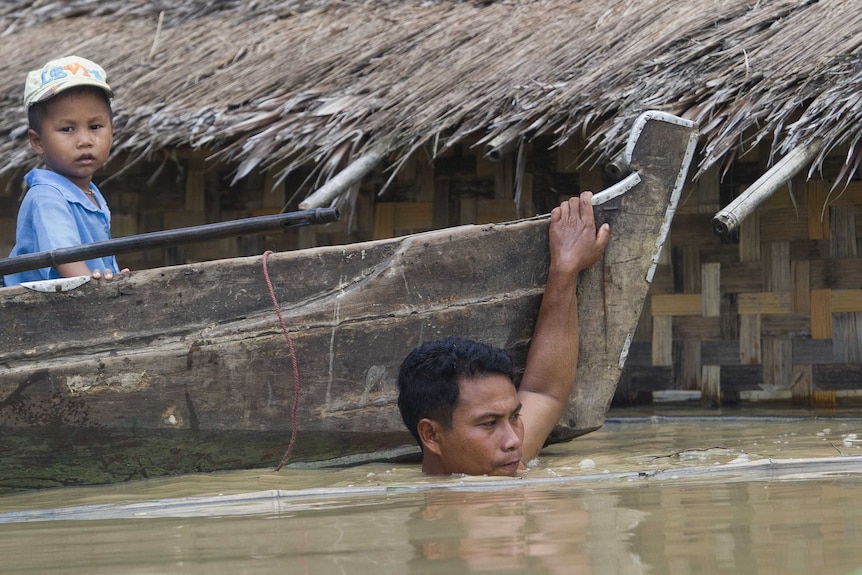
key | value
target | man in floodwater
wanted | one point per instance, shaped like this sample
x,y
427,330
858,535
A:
x,y
458,398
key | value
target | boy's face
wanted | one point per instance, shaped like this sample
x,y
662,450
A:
x,y
76,136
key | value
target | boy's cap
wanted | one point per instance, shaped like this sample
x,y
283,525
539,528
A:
x,y
62,74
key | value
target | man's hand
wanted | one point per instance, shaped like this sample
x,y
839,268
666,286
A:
x,y
574,243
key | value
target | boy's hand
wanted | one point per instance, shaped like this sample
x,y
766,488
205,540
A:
x,y
108,274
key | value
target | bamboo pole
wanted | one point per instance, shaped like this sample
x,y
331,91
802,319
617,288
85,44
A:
x,y
353,173
166,238
728,219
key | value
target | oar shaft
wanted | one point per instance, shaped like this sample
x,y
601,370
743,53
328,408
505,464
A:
x,y
167,238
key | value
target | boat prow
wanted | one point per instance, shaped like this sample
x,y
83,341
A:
x,y
611,294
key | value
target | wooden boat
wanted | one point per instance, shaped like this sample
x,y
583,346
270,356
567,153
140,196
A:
x,y
187,368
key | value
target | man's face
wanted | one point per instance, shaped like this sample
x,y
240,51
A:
x,y
487,432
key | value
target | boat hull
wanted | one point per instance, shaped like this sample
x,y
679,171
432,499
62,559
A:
x,y
193,360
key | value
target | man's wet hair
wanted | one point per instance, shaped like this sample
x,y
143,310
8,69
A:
x,y
39,110
429,376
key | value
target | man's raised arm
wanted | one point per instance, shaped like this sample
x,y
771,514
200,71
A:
x,y
552,361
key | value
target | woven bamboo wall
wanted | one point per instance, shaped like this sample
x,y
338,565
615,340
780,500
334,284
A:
x,y
775,313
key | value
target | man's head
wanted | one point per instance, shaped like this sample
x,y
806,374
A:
x,y
458,399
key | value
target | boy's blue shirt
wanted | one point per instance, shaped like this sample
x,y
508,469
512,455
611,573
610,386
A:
x,y
56,214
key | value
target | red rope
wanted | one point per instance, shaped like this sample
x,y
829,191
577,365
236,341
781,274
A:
x,y
292,359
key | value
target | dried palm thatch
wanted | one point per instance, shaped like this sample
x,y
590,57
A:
x,y
275,85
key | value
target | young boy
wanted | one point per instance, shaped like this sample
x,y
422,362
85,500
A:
x,y
68,104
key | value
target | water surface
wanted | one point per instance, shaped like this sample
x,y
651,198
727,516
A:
x,y
643,495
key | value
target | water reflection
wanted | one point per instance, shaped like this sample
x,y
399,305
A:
x,y
765,527
738,527
522,530
756,527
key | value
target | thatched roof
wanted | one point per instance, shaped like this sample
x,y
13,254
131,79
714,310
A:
x,y
281,83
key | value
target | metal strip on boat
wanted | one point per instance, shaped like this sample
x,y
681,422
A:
x,y
57,285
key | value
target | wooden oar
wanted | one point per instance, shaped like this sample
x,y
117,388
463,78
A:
x,y
167,238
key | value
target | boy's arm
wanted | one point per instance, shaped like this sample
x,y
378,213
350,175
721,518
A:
x,y
552,360
81,269
74,269
55,228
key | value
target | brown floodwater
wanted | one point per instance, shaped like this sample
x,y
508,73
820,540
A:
x,y
647,494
